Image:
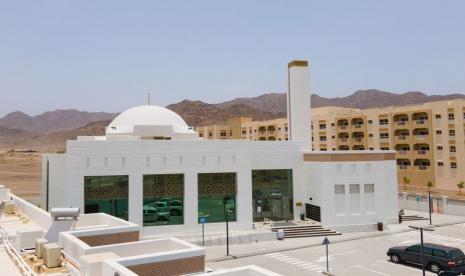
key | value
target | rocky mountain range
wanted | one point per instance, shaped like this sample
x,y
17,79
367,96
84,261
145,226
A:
x,y
50,130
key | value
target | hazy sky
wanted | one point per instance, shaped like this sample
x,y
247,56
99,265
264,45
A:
x,y
107,55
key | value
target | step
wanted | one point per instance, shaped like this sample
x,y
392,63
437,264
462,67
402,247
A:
x,y
307,231
296,227
312,235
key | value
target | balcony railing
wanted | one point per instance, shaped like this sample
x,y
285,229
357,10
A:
x,y
358,125
422,152
343,139
401,123
401,137
358,139
404,167
420,136
421,121
342,126
403,152
422,168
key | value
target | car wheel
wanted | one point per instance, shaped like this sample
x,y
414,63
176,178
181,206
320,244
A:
x,y
434,267
395,258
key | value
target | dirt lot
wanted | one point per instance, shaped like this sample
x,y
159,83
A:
x,y
21,171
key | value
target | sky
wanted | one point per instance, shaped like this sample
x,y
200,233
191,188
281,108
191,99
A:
x,y
107,55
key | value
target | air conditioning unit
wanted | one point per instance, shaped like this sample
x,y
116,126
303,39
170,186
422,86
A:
x,y
40,243
52,255
9,208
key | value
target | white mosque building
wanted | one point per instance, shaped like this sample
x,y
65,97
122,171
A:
x,y
152,169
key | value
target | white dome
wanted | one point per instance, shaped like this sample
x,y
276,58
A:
x,y
149,115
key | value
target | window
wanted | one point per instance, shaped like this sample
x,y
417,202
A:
x,y
369,190
210,134
439,147
200,134
339,199
332,124
370,122
106,194
437,116
323,149
451,132
163,199
370,135
452,149
464,115
244,132
223,133
286,128
438,131
440,254
453,165
322,126
383,121
333,137
217,196
440,164
451,116
384,135
371,148
322,138
414,249
384,148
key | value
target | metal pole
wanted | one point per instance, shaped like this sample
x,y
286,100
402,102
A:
x,y
421,252
327,259
47,186
203,234
430,207
227,234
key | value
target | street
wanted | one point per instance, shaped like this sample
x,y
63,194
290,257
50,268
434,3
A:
x,y
358,257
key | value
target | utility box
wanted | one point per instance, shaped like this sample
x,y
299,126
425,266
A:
x,y
9,208
40,243
26,238
52,255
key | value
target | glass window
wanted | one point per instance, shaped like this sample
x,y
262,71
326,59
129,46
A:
x,y
456,254
217,196
440,253
272,194
163,199
106,194
414,248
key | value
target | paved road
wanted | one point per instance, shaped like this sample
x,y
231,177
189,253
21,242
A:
x,y
359,257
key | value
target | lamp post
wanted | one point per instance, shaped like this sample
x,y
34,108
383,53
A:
x,y
421,247
226,218
430,207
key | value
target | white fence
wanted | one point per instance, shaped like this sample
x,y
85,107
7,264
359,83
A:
x,y
441,205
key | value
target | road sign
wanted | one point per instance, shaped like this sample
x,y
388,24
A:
x,y
203,220
326,242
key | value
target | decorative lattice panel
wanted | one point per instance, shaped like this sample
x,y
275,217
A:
x,y
106,187
159,185
217,183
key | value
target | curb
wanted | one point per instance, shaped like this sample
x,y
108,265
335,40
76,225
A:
x,y
376,234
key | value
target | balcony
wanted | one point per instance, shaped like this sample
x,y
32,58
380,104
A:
x,y
403,152
357,126
403,167
422,168
401,138
342,127
343,140
421,137
420,122
422,152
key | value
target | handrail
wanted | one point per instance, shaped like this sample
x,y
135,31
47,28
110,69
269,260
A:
x,y
14,254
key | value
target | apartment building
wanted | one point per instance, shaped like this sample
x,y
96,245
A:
x,y
429,138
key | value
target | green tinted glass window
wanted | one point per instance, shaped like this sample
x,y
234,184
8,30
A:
x,y
106,194
163,199
217,196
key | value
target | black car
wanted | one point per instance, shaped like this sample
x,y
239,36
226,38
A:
x,y
436,257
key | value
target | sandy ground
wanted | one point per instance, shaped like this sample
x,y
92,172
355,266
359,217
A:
x,y
21,172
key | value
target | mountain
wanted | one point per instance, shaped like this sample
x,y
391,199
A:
x,y
362,99
197,113
53,121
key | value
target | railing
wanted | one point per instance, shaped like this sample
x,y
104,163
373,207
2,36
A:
x,y
342,126
23,266
358,139
401,137
343,139
423,168
422,152
404,167
420,136
403,152
358,125
401,123
420,121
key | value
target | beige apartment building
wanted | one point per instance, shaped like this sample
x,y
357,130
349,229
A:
x,y
429,138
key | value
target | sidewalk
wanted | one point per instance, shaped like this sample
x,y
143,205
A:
x,y
218,253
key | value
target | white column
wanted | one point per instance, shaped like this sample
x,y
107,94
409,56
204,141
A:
x,y
135,198
244,199
298,102
190,200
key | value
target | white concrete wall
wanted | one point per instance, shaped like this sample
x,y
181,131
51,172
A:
x,y
57,181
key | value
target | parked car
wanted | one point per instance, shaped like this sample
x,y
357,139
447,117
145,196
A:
x,y
173,206
153,213
436,257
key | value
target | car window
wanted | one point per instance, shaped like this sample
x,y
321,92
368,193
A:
x,y
440,253
414,248
427,251
456,254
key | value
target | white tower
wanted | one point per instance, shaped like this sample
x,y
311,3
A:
x,y
298,102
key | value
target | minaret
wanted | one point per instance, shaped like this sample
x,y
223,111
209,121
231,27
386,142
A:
x,y
298,102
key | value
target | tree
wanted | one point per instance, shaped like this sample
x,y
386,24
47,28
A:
x,y
406,182
461,185
429,185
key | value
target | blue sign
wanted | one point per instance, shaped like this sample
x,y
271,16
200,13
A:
x,y
203,220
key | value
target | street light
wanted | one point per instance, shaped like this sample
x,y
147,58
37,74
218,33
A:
x,y
421,247
226,218
430,208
